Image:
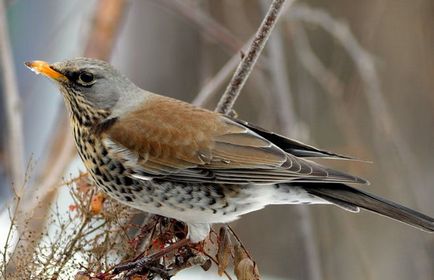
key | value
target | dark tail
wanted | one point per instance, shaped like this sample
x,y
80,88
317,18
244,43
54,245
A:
x,y
350,198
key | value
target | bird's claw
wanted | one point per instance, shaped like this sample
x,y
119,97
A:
x,y
141,265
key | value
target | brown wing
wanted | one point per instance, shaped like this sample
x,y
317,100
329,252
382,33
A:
x,y
175,140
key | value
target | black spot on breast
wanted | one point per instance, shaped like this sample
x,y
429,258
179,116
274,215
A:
x,y
212,201
219,191
105,178
137,187
121,168
112,166
97,172
207,193
189,190
129,199
128,181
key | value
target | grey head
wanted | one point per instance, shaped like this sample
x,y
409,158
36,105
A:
x,y
91,84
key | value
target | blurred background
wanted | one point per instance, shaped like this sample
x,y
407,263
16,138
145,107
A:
x,y
353,77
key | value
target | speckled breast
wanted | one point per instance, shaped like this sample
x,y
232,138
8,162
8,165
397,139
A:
x,y
108,173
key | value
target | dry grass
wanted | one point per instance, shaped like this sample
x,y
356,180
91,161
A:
x,y
91,236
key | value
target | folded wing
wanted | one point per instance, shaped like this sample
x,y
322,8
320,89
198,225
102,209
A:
x,y
170,139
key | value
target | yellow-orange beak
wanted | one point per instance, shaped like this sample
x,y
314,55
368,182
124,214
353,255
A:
x,y
42,67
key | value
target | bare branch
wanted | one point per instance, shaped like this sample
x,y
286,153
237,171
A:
x,y
326,78
280,87
107,20
210,27
106,23
245,67
379,110
331,84
14,131
207,92
290,125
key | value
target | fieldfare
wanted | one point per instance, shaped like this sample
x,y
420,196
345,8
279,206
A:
x,y
170,158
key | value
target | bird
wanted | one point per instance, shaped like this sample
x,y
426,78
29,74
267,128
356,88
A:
x,y
171,158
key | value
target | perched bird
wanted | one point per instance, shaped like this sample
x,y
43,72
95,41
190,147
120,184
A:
x,y
170,158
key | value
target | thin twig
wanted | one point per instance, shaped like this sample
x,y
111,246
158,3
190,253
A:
x,y
326,78
331,84
210,27
18,195
239,241
69,248
384,124
106,23
280,86
290,125
108,18
379,110
14,132
211,87
245,67
217,263
105,26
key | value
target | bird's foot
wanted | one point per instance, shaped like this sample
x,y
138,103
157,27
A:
x,y
150,263
140,266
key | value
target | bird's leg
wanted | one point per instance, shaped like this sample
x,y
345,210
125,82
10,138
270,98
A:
x,y
148,262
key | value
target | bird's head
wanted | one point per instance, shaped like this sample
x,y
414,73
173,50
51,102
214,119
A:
x,y
91,85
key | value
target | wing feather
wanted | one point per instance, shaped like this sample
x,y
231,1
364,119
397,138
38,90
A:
x,y
167,138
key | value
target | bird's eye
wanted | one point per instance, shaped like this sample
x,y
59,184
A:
x,y
85,78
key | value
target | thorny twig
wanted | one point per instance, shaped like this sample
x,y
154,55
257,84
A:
x,y
244,69
71,244
18,197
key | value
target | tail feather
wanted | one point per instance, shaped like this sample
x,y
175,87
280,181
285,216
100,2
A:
x,y
344,196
